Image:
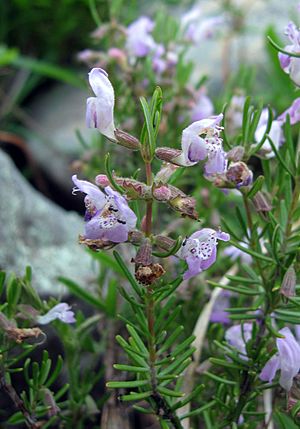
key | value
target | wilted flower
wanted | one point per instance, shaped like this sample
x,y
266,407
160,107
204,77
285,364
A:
x,y
60,311
237,336
108,215
139,40
287,360
200,250
291,65
100,109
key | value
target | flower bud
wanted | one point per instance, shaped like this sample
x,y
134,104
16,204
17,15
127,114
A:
x,y
135,237
185,206
165,172
168,154
127,140
289,283
161,193
102,180
144,254
236,154
239,174
50,403
163,242
261,202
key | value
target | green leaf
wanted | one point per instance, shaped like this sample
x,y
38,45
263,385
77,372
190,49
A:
x,y
252,252
130,368
110,176
126,384
136,396
83,294
257,186
128,275
189,397
199,410
170,341
279,157
149,126
168,392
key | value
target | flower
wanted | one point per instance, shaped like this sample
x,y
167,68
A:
x,y
239,174
100,109
218,314
200,250
108,216
202,108
287,360
237,336
234,253
201,140
291,65
139,41
275,133
60,311
293,111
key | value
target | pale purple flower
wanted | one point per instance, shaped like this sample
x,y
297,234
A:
x,y
200,141
207,28
218,314
159,64
293,111
139,40
203,107
287,360
108,216
291,65
234,253
60,311
100,109
200,250
237,336
275,133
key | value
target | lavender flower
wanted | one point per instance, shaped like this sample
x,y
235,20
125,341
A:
x,y
139,40
201,140
218,314
293,111
60,311
234,253
237,336
291,65
287,360
203,108
275,133
200,250
108,215
100,109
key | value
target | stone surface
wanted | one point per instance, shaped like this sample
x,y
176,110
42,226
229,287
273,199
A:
x,y
36,232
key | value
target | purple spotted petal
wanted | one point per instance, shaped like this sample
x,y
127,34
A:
x,y
194,267
205,264
217,163
123,207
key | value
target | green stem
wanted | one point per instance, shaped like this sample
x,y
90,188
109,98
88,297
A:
x,y
148,222
293,207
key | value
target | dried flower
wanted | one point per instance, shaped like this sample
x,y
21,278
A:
x,y
239,174
200,250
108,216
287,360
61,311
100,109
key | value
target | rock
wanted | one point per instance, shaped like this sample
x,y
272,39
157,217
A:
x,y
58,113
36,232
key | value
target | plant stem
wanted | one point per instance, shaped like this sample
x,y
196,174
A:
x,y
293,207
8,388
163,409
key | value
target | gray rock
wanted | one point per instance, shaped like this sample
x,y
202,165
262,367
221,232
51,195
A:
x,y
57,115
36,232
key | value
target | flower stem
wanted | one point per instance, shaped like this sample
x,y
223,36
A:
x,y
148,223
